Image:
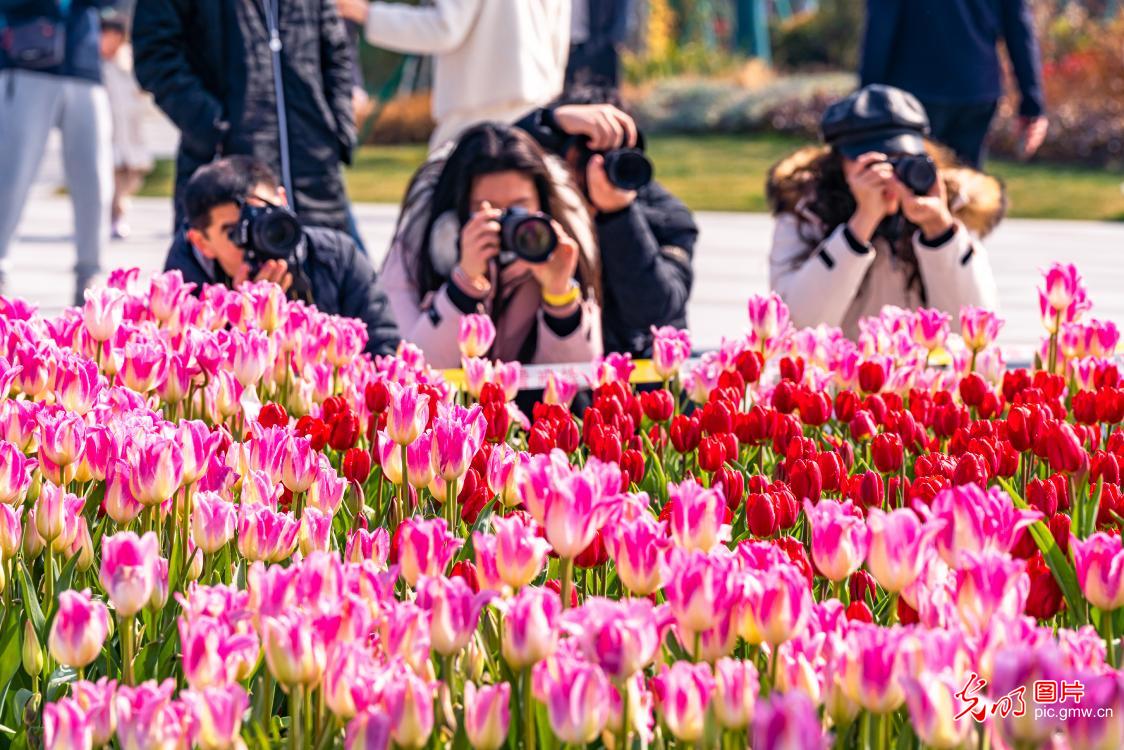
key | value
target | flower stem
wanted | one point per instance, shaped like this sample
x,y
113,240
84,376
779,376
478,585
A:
x,y
125,625
625,718
528,712
1110,636
451,505
49,578
567,580
296,703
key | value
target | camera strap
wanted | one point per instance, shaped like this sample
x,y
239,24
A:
x,y
272,16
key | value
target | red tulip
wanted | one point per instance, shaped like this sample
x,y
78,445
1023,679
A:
x,y
498,420
1104,466
797,555
273,415
685,433
712,453
861,585
377,396
785,429
888,453
785,397
555,585
752,427
593,556
1059,526
748,365
343,431
1045,598
862,426
632,467
466,571
657,405
872,376
792,368
1085,407
1042,496
717,418
761,518
356,465
1064,449
315,430
973,388
806,480
846,404
867,489
831,470
567,436
1110,405
970,469
858,611
907,615
815,407
732,483
784,506
1111,503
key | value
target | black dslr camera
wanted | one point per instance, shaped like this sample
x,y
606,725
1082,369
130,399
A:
x,y
627,168
918,173
267,233
527,235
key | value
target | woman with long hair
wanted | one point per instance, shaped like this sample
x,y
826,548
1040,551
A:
x,y
448,257
879,216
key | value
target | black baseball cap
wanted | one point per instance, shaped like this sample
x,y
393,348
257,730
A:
x,y
876,118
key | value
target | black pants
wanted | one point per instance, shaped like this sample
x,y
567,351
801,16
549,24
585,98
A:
x,y
593,64
962,127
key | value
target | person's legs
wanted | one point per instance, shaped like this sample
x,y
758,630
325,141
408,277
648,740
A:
x,y
353,230
88,157
962,127
28,110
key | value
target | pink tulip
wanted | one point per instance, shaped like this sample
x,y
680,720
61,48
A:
x,y
574,512
454,612
19,424
1097,732
975,520
294,649
933,707
788,721
576,695
143,364
425,547
64,437
671,347
776,605
487,715
218,715
252,356
614,367
735,693
683,694
103,311
326,492
698,515
639,549
167,292
1099,563
419,461
872,665
1016,667
840,537
477,332
368,545
36,368
477,373
15,474
390,458
530,627
65,726
223,394
979,327
408,413
348,685
369,730
212,521
98,702
315,531
989,584
408,700
99,450
77,384
698,588
147,717
11,532
560,389
505,467
120,503
405,631
1063,286
56,515
80,628
520,552
266,535
487,570
929,328
158,471
197,445
299,464
160,590
458,434
128,570
900,547
177,378
620,637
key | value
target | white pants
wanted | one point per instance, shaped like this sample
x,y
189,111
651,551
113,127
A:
x,y
31,104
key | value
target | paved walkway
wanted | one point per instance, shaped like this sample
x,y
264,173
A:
x,y
730,262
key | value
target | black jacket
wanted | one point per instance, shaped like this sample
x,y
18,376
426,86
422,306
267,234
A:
x,y
608,21
945,51
83,33
209,66
646,256
342,281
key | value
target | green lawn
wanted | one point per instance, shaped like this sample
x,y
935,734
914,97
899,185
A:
x,y
727,173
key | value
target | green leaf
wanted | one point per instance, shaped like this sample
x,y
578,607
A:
x,y
1058,563
58,681
482,522
66,578
10,654
31,603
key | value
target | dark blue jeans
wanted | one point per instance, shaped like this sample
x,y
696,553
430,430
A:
x,y
962,127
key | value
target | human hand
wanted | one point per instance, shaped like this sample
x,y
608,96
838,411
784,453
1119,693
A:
x,y
606,197
480,241
930,212
871,180
276,271
606,126
1032,133
353,10
555,274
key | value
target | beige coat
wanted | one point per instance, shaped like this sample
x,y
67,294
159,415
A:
x,y
823,280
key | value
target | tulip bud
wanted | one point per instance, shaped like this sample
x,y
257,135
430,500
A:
x,y
32,652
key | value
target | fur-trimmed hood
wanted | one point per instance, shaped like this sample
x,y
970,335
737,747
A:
x,y
977,199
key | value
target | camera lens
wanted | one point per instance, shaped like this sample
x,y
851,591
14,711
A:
x,y
918,173
529,235
628,168
276,232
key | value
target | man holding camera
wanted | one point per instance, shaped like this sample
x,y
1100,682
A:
x,y
647,236
267,78
239,228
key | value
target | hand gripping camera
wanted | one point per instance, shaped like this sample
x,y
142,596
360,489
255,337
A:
x,y
267,233
527,235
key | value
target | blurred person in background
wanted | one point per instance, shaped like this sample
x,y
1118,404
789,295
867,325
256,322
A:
x,y
647,235
128,104
879,216
945,52
495,226
239,228
50,77
597,30
210,66
494,60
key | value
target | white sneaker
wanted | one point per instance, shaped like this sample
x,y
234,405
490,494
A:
x,y
120,230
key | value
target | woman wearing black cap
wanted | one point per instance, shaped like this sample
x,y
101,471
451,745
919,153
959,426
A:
x,y
879,216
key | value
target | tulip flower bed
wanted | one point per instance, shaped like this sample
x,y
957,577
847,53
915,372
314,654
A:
x,y
221,527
